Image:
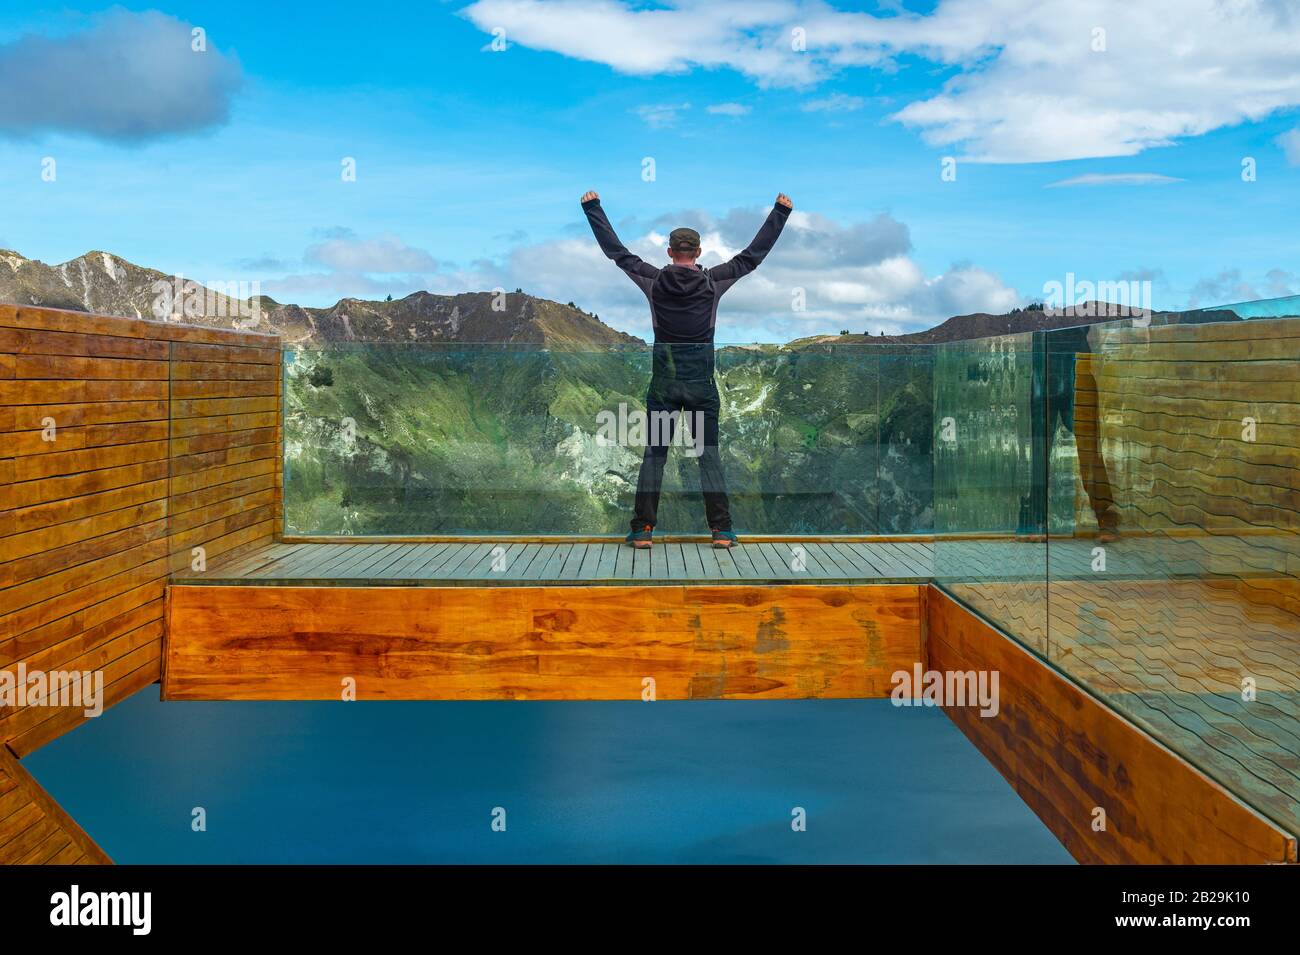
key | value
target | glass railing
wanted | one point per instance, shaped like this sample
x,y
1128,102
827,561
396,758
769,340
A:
x,y
990,547
462,439
1285,307
1129,494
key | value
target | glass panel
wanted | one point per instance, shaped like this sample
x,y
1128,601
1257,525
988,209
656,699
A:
x,y
512,439
906,486
800,441
1173,557
1287,307
990,548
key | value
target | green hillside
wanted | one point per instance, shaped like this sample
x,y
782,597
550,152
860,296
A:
x,y
386,439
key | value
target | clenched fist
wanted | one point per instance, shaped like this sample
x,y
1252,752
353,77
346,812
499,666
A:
x,y
781,199
588,196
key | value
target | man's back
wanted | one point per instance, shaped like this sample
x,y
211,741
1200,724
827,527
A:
x,y
684,298
683,304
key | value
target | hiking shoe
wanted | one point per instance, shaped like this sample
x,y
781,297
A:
x,y
724,538
641,539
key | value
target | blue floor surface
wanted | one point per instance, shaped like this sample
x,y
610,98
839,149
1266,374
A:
x,y
666,782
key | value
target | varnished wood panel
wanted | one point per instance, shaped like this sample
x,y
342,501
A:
x,y
1154,335
1069,756
577,643
34,829
55,319
133,479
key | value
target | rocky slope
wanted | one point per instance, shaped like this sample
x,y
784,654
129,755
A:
x,y
109,285
984,325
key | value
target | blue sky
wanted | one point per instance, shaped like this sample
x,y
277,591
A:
x,y
226,165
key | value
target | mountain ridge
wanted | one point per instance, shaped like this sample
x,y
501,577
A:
x,y
107,284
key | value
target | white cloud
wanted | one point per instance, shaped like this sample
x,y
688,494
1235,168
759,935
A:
x,y
1229,286
750,37
347,266
1142,274
858,275
324,288
1290,143
128,77
835,103
1032,79
385,254
1115,179
1279,283
728,109
660,115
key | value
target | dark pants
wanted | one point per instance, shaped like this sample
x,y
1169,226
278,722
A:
x,y
666,403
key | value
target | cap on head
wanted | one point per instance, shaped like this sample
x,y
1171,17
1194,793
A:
x,y
684,240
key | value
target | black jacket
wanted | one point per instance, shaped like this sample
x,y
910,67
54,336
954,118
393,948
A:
x,y
683,298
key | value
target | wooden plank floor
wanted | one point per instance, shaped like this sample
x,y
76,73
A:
x,y
484,563
481,562
34,829
1174,656
1154,557
1167,634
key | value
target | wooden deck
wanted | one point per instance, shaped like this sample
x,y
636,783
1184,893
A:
x,y
1070,756
1169,635
1174,657
504,562
1166,633
488,563
169,448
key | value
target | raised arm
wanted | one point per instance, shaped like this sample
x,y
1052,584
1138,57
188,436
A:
x,y
640,271
754,253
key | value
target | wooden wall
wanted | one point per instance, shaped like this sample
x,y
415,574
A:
x,y
1170,403
165,439
1067,756
34,829
728,641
